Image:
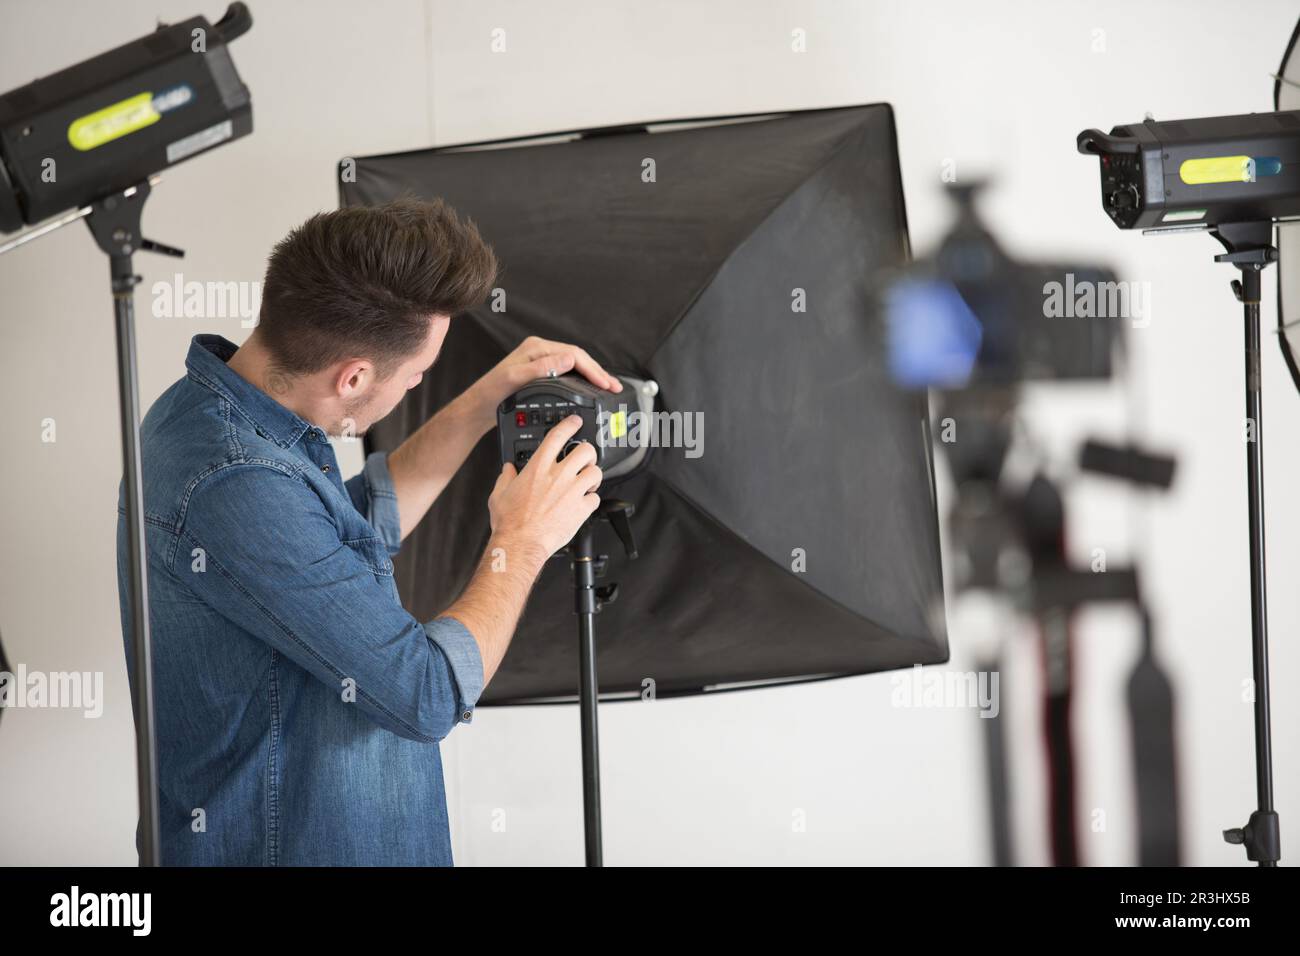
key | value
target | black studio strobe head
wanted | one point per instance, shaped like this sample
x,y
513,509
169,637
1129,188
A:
x,y
111,122
610,421
1199,172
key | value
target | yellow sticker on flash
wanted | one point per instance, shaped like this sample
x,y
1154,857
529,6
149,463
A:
x,y
618,424
112,122
1217,169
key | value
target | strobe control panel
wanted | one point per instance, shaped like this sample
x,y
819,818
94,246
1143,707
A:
x,y
524,418
1121,187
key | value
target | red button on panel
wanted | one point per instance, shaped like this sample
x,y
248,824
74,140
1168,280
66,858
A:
x,y
521,419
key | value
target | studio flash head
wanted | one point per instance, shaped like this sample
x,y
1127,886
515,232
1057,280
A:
x,y
1199,172
111,122
615,423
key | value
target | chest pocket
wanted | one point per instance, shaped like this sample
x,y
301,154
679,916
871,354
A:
x,y
374,553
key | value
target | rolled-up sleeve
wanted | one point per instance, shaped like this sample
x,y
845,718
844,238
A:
x,y
373,494
294,584
466,661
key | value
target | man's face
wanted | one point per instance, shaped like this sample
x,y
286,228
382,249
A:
x,y
381,397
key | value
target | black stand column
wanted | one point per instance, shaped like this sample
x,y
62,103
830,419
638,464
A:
x,y
1250,249
115,224
588,600
584,590
124,282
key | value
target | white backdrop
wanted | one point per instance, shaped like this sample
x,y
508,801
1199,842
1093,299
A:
x,y
824,773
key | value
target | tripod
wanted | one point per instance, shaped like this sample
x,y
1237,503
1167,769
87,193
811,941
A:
x,y
1250,248
588,600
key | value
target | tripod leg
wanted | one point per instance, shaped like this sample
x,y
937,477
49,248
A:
x,y
1057,693
995,759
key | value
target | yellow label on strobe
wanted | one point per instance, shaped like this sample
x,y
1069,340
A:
x,y
1217,169
110,123
618,424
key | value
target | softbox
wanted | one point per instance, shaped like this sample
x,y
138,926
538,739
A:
x,y
734,261
1286,96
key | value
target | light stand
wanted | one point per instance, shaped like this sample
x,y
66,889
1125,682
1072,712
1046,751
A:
x,y
588,600
115,223
1250,249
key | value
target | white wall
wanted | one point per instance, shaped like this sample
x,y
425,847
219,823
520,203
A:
x,y
1002,87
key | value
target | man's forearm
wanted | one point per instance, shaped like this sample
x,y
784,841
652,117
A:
x,y
423,465
494,599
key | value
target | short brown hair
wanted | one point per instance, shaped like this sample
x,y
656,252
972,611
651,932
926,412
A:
x,y
366,281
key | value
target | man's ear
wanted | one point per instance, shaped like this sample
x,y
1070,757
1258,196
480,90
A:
x,y
353,377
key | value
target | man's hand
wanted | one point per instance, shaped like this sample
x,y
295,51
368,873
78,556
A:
x,y
534,358
534,513
423,465
541,508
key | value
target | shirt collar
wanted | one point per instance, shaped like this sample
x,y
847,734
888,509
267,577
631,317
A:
x,y
206,363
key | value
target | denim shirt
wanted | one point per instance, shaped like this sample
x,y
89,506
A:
x,y
298,705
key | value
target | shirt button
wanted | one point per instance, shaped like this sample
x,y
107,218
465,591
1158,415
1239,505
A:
x,y
325,468
466,715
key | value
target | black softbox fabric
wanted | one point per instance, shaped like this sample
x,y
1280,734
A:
x,y
803,541
1286,96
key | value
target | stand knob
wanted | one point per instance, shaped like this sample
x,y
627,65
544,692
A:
x,y
1261,836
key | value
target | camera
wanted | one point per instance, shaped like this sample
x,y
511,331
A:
x,y
970,315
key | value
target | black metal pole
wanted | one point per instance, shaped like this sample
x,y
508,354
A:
x,y
123,282
584,584
1250,248
1250,295
114,221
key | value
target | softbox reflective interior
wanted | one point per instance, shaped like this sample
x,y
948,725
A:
x,y
1286,96
734,262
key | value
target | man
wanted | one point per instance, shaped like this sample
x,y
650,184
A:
x,y
299,707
